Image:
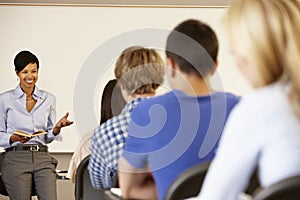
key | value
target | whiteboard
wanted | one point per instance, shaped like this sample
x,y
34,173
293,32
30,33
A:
x,y
77,48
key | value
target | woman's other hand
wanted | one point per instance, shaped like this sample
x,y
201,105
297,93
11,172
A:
x,y
62,123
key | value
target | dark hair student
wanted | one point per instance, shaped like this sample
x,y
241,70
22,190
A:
x,y
112,101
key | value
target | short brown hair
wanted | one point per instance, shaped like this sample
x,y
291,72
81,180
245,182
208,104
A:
x,y
139,70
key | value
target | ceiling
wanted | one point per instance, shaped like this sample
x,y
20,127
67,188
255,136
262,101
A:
x,y
160,3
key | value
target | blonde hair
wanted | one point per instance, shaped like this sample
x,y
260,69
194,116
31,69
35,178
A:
x,y
139,70
266,33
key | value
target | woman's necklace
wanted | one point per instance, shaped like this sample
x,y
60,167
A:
x,y
30,99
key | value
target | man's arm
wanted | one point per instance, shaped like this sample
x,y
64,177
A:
x,y
98,167
135,183
99,173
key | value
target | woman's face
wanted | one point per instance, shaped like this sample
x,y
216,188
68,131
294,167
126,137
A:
x,y
28,76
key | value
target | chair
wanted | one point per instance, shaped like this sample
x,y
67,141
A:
x,y
108,195
83,186
285,189
253,184
188,184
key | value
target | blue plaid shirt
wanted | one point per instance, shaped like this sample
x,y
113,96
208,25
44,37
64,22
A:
x,y
107,146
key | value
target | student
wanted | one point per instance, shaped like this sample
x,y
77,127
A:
x,y
112,103
173,132
139,72
29,109
264,128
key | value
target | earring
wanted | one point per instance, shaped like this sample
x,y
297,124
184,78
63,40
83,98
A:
x,y
17,78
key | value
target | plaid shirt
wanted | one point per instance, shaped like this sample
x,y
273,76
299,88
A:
x,y
107,146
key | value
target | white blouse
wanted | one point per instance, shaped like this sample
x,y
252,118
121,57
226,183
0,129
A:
x,y
262,131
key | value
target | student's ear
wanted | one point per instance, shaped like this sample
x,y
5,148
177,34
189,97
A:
x,y
171,67
17,73
214,69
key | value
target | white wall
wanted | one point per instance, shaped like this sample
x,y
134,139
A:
x,y
77,47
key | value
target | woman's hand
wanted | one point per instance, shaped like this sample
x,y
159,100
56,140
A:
x,y
18,138
62,123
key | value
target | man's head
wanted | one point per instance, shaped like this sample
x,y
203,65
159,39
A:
x,y
193,47
139,70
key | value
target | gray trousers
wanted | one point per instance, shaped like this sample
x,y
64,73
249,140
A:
x,y
21,168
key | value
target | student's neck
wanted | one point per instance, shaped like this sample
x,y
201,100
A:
x,y
196,86
135,96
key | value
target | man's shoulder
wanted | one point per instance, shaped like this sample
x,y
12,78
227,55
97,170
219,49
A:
x,y
229,97
161,99
113,126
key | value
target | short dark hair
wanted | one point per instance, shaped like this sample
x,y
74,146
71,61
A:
x,y
193,46
23,58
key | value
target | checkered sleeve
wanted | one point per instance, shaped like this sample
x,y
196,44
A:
x,y
107,146
100,171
